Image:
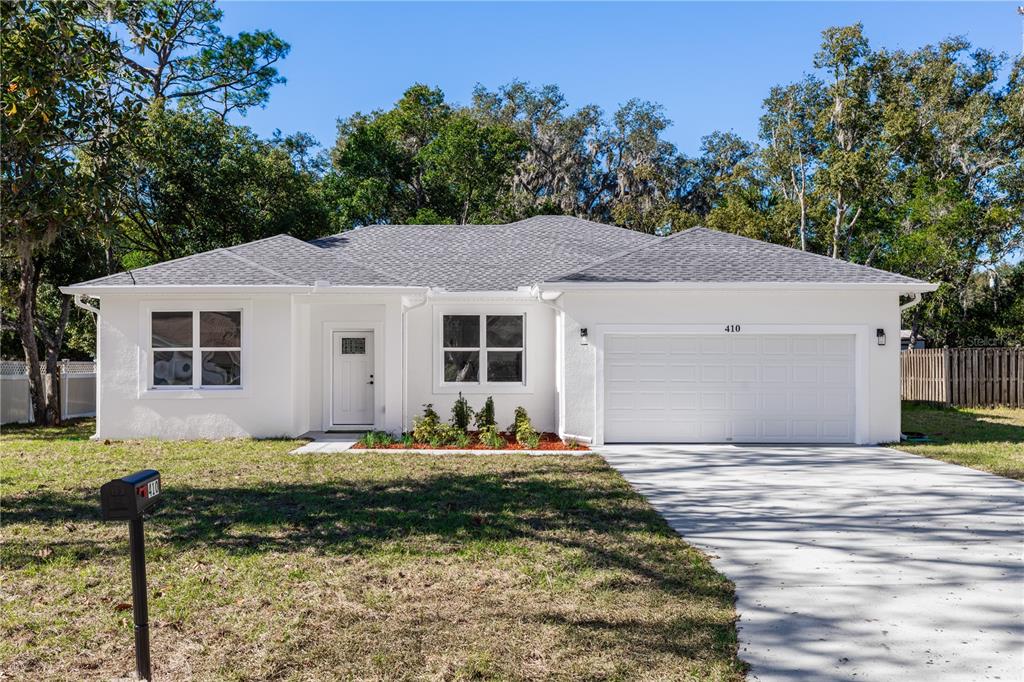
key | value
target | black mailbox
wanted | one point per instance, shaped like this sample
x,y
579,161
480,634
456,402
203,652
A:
x,y
128,498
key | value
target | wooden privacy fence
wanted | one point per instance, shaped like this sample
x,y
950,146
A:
x,y
977,377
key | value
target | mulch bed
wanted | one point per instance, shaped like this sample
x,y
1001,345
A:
x,y
548,441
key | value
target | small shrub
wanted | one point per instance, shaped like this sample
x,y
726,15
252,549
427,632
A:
x,y
520,417
376,439
525,434
408,440
485,417
462,413
573,444
448,434
424,428
490,437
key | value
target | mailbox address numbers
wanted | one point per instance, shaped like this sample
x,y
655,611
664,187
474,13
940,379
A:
x,y
732,328
151,489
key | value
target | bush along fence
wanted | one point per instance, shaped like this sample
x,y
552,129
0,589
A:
x,y
77,391
970,377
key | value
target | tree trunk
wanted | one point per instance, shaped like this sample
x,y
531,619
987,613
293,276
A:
x,y
27,333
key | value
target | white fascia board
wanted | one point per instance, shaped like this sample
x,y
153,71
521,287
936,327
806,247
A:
x,y
901,287
175,289
437,294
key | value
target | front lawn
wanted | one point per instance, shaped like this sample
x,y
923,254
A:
x,y
990,439
361,565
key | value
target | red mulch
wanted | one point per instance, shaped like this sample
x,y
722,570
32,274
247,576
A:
x,y
548,441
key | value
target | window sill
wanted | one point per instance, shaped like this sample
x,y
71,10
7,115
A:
x,y
192,393
481,389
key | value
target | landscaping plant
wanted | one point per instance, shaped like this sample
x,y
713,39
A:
x,y
462,413
448,434
424,429
485,417
523,429
376,439
490,437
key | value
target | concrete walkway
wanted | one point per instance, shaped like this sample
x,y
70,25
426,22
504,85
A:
x,y
325,442
851,563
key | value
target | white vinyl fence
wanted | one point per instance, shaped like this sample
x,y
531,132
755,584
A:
x,y
77,391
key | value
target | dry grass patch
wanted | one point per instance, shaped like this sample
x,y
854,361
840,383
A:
x,y
264,565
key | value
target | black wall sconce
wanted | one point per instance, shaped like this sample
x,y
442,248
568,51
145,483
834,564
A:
x,y
583,337
880,336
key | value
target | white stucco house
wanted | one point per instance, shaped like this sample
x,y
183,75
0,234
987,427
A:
x,y
603,334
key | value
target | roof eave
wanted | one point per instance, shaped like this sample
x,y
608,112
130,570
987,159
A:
x,y
901,287
185,289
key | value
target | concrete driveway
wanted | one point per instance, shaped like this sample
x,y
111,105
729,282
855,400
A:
x,y
851,563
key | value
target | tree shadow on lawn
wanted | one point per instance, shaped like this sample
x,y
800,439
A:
x,y
439,514
69,429
950,425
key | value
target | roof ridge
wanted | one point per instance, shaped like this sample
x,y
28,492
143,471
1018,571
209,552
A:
x,y
619,254
228,250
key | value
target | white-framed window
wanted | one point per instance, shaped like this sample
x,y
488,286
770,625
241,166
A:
x,y
195,349
483,349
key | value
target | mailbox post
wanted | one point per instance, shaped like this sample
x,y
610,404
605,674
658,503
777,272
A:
x,y
127,499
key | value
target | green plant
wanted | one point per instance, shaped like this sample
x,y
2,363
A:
x,y
525,434
448,434
462,413
408,440
520,417
485,417
376,439
490,437
424,429
573,444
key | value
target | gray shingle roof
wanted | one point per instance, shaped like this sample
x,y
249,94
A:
x,y
498,258
703,255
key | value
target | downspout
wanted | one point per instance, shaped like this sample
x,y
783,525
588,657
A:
x,y
95,311
555,304
405,351
915,298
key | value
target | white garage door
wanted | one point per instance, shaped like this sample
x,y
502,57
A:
x,y
729,388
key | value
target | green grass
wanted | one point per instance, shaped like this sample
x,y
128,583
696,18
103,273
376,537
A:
x,y
265,565
990,439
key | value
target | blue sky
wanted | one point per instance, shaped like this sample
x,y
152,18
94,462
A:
x,y
709,65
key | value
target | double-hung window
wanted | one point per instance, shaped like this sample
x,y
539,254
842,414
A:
x,y
211,338
482,349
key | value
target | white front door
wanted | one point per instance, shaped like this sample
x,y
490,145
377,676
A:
x,y
352,381
797,388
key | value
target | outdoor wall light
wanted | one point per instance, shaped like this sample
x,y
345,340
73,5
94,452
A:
x,y
880,336
583,337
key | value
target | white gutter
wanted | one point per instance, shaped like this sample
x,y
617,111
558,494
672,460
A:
x,y
596,287
552,300
915,298
180,289
85,306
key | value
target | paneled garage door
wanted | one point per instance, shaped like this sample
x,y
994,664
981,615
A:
x,y
729,388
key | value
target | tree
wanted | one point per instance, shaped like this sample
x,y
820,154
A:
x,y
56,96
202,184
175,52
791,152
473,160
849,132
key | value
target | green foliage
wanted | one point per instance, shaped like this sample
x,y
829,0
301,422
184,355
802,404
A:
x,y
462,413
408,440
523,429
489,436
204,184
424,428
485,417
448,435
377,439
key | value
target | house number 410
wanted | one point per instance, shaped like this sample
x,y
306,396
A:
x,y
732,327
